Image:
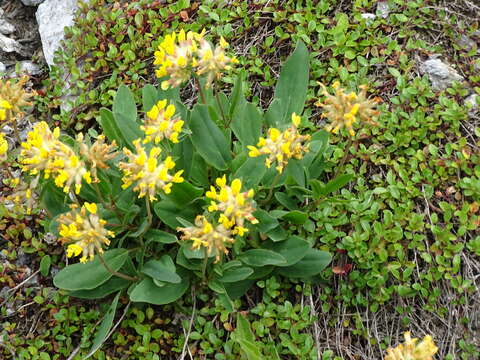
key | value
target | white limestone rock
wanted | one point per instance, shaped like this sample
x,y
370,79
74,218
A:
x,y
10,45
52,17
6,28
383,9
441,75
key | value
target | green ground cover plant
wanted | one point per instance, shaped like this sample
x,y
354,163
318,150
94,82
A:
x,y
403,232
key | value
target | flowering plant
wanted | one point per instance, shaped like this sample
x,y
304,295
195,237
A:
x,y
219,193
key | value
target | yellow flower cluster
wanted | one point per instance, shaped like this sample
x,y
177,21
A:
x,y
3,148
204,234
14,96
44,152
281,146
22,194
161,124
4,107
84,231
236,206
97,154
411,350
148,172
178,55
212,61
344,110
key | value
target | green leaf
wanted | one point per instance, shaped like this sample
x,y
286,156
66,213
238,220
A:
x,y
239,288
247,124
251,172
104,328
266,222
336,184
296,217
184,193
286,201
168,211
45,265
155,235
261,257
149,97
162,270
208,139
237,98
53,199
147,291
296,171
236,274
243,330
91,274
251,350
311,264
110,127
291,89
113,284
125,115
293,249
317,146
277,234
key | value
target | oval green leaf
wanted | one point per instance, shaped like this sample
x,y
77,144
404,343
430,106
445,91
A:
x,y
91,274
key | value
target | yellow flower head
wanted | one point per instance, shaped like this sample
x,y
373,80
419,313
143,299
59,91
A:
x,y
83,231
4,107
22,194
280,147
234,204
212,61
411,349
175,57
148,172
344,110
178,55
97,154
160,123
213,238
13,96
44,152
3,148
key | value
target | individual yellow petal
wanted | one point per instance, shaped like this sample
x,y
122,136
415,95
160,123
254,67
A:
x,y
153,113
274,134
221,182
91,207
236,186
296,119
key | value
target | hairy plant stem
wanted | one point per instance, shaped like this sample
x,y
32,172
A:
x,y
225,121
205,262
200,90
149,211
345,155
116,273
270,192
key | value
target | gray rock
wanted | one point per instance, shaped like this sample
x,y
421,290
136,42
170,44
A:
x,y
32,2
369,17
9,45
49,238
466,43
383,9
6,28
23,259
471,103
3,68
441,75
28,68
52,17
